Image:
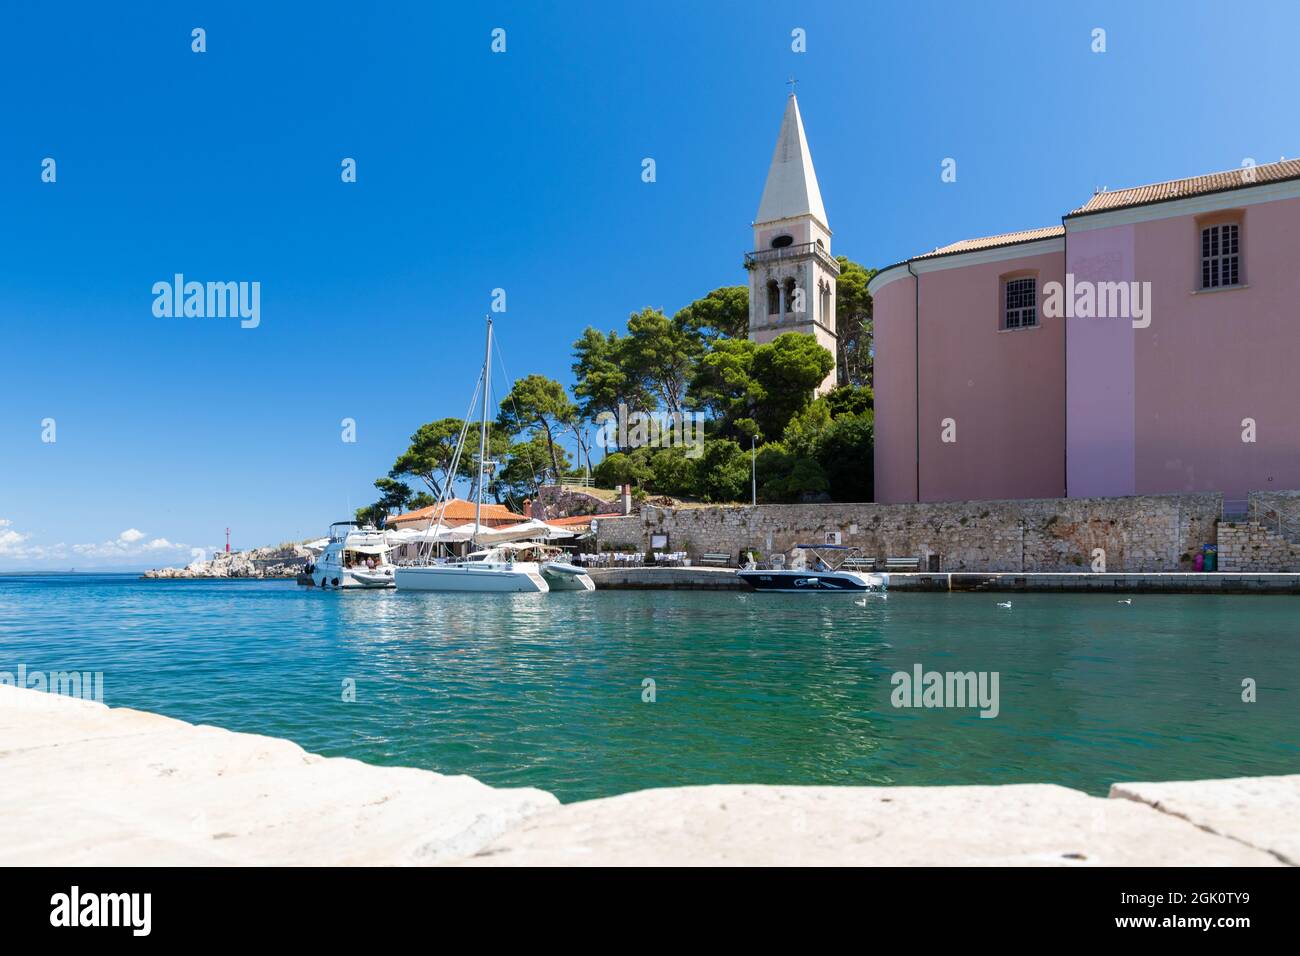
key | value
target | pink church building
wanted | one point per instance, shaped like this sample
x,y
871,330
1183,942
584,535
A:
x,y
1150,344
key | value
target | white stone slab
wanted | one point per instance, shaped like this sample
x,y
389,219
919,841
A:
x,y
1261,812
1013,825
81,783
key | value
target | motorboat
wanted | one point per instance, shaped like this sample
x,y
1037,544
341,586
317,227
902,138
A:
x,y
496,568
824,571
562,576
354,557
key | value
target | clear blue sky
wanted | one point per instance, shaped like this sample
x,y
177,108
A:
x,y
479,170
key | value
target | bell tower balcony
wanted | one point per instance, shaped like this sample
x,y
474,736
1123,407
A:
x,y
792,253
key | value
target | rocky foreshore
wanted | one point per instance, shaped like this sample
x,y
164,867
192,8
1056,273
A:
x,y
283,561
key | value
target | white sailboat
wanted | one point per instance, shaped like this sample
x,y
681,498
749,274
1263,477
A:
x,y
493,569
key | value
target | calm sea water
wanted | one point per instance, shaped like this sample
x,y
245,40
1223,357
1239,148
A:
x,y
546,690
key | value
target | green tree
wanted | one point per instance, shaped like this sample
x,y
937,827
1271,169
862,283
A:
x,y
784,476
429,456
787,369
672,473
723,471
850,400
527,464
804,432
723,384
622,468
602,380
723,313
854,324
540,403
660,353
846,455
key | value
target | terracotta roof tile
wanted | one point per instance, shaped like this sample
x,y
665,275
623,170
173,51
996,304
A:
x,y
991,242
1191,186
457,509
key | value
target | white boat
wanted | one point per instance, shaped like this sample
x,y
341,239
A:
x,y
562,576
354,557
826,572
493,569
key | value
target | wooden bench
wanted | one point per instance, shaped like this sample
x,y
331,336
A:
x,y
716,558
859,564
902,564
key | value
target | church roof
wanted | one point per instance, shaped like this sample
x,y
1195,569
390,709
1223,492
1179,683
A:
x,y
1239,178
991,242
791,188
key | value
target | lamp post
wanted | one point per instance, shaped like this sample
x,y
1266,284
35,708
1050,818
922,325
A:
x,y
753,470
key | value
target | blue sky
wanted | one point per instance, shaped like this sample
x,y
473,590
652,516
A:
x,y
479,170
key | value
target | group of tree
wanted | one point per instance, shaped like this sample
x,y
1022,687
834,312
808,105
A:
x,y
761,417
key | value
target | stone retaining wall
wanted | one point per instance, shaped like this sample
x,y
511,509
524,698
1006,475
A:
x,y
1250,546
1145,533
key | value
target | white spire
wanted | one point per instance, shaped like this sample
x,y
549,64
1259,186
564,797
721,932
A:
x,y
791,188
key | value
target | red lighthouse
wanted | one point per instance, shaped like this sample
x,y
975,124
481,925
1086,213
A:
x,y
227,541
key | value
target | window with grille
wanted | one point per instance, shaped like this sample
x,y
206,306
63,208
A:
x,y
1220,255
1022,304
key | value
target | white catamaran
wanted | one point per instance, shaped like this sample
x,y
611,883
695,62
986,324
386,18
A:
x,y
491,569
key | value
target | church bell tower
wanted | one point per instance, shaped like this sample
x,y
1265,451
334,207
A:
x,y
791,270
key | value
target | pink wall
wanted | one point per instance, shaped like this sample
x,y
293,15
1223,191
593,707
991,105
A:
x,y
1100,373
1211,359
895,385
1154,410
1004,389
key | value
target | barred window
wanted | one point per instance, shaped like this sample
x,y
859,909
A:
x,y
1220,255
1021,304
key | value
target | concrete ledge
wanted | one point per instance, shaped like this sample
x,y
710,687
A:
x,y
86,784
1012,825
1173,582
83,784
1259,812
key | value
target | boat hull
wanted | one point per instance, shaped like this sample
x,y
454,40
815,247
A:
x,y
459,577
567,577
812,582
341,579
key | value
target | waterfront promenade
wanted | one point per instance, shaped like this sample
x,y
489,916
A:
x,y
1228,582
88,785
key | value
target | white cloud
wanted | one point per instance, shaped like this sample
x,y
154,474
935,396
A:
x,y
16,547
10,540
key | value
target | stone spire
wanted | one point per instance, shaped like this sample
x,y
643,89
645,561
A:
x,y
791,189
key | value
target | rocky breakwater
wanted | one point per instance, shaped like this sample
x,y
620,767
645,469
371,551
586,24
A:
x,y
283,561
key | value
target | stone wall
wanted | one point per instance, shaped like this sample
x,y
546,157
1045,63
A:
x,y
1147,533
620,532
1251,546
1279,510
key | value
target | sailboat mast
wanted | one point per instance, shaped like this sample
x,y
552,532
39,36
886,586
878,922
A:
x,y
482,435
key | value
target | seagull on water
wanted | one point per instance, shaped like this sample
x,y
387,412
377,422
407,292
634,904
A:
x,y
1125,601
1004,604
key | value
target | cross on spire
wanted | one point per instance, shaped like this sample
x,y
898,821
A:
x,y
790,83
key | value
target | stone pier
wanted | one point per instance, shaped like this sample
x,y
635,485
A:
x,y
85,784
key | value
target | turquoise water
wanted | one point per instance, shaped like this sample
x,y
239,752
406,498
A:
x,y
546,690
